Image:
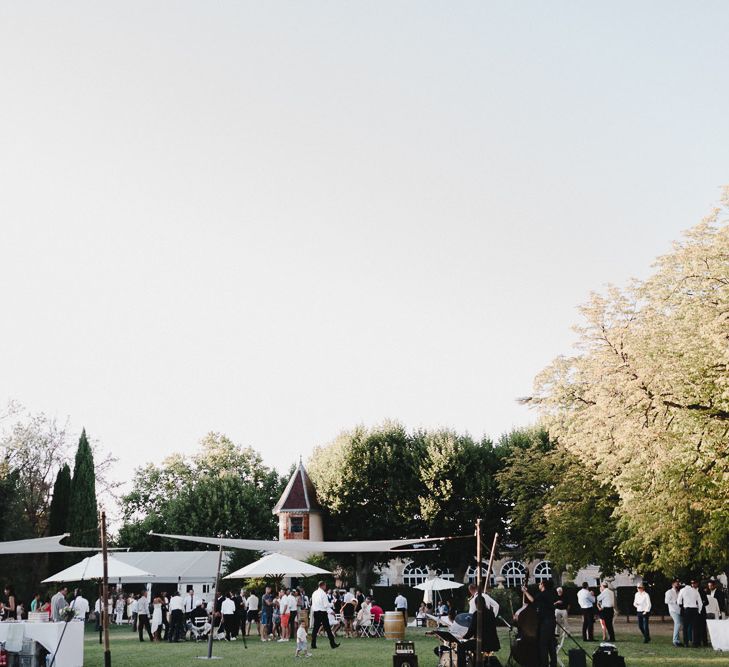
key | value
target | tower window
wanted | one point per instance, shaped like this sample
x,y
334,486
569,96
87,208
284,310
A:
x,y
296,524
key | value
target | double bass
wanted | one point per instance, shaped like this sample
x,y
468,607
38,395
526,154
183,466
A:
x,y
525,647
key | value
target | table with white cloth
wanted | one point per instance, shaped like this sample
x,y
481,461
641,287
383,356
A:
x,y
719,634
71,651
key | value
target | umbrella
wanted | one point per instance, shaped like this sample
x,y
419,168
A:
x,y
93,568
435,584
277,565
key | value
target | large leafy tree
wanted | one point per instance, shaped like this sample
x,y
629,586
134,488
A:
x,y
458,478
646,397
558,506
83,520
368,480
222,490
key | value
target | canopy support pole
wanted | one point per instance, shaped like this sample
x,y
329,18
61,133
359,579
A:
x,y
210,656
105,592
479,590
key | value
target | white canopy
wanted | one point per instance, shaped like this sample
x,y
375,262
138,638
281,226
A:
x,y
277,565
306,546
41,545
437,584
93,568
187,567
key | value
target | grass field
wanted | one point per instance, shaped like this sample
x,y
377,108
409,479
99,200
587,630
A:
x,y
126,651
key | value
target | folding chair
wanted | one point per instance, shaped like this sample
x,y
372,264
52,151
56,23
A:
x,y
199,628
363,629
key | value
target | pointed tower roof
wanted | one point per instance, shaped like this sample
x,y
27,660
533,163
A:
x,y
299,494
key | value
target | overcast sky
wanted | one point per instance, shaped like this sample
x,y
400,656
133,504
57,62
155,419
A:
x,y
281,219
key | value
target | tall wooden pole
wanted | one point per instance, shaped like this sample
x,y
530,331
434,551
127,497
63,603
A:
x,y
212,618
479,591
105,593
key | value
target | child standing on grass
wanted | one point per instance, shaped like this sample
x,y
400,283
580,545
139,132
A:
x,y
302,648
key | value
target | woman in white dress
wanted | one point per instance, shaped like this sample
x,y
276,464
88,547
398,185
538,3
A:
x,y
119,609
157,619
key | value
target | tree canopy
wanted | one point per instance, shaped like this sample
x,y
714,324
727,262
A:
x,y
83,520
645,402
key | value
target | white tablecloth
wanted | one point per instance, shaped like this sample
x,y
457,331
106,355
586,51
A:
x,y
71,651
719,634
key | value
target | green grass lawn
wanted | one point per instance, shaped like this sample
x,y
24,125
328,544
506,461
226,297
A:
x,y
126,651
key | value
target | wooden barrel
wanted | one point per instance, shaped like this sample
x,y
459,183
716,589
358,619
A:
x,y
304,616
394,625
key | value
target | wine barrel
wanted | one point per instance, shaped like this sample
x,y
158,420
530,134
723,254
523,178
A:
x,y
394,625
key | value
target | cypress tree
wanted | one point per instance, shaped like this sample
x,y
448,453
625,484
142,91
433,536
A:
x,y
58,513
83,523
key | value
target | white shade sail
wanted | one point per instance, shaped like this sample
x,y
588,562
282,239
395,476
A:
x,y
93,568
307,546
277,565
437,584
40,545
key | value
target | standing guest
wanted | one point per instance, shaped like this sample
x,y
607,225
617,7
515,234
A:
x,y
284,606
36,602
276,617
240,613
401,605
319,606
19,611
294,603
360,599
156,624
58,602
703,629
227,610
190,603
119,610
544,602
671,600
719,596
561,610
642,604
80,605
348,614
143,617
253,613
304,602
177,618
267,601
165,615
9,601
586,600
606,606
134,607
690,600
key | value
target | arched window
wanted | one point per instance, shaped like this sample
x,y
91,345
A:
x,y
412,576
514,573
471,575
444,574
543,571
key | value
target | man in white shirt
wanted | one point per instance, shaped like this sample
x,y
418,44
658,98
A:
x,y
253,612
81,606
674,609
401,605
227,609
177,618
690,599
586,600
58,602
191,602
606,605
642,604
143,617
319,606
490,602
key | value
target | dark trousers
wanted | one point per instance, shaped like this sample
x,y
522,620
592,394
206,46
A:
x,y
292,622
321,620
607,615
643,626
229,623
690,621
546,644
134,622
177,625
588,620
142,623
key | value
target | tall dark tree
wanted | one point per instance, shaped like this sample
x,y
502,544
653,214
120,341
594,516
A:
x,y
83,520
58,514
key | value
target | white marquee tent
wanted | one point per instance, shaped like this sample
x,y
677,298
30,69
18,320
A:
x,y
185,567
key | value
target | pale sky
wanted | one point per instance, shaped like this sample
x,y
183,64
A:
x,y
281,219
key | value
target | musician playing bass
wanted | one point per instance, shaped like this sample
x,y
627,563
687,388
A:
x,y
489,639
544,603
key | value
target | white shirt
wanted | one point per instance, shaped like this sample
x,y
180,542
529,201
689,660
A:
x,y
490,602
252,603
228,607
81,606
134,606
293,604
348,597
283,604
585,598
176,603
690,598
142,607
712,606
401,601
671,600
606,599
191,602
301,635
642,602
319,600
